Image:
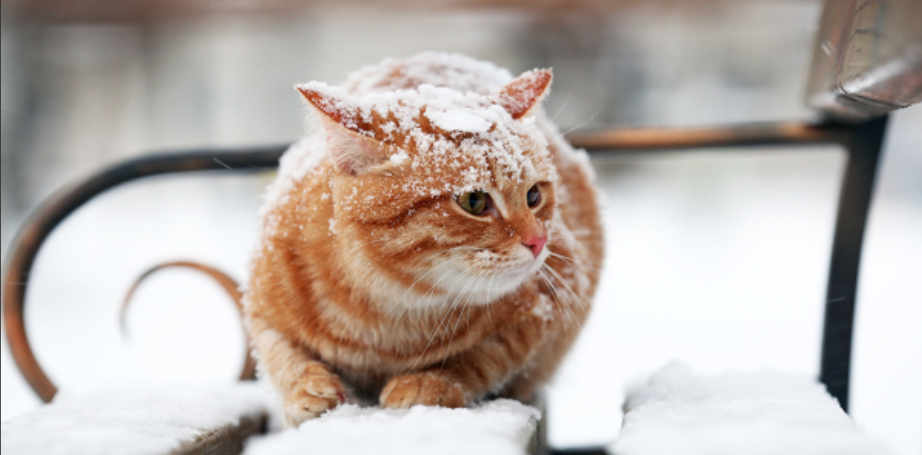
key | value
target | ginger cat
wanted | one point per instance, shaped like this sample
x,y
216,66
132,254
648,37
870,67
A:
x,y
431,241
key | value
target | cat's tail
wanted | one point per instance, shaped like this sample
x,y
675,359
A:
x,y
224,280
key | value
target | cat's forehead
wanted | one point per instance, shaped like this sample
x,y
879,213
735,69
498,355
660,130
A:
x,y
456,166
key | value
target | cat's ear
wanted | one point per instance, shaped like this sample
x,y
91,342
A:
x,y
525,92
352,149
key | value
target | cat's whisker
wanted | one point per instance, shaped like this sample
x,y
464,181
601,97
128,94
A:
x,y
553,290
563,309
459,276
561,107
574,262
578,126
437,267
564,317
566,285
461,314
566,260
569,318
451,308
578,301
450,261
435,286
447,313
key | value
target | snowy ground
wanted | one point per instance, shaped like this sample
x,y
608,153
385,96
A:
x,y
718,259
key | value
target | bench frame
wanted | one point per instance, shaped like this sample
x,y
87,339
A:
x,y
861,142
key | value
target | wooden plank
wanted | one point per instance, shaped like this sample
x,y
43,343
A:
x,y
224,440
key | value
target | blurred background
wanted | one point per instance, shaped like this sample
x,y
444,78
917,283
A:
x,y
717,259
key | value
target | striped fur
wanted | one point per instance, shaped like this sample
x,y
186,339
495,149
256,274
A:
x,y
372,284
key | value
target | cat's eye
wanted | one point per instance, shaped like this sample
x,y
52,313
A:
x,y
474,202
534,196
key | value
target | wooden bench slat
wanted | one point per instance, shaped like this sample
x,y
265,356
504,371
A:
x,y
179,420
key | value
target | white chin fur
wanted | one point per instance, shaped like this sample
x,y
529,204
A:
x,y
467,288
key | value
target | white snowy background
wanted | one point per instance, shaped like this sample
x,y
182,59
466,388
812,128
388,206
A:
x,y
716,258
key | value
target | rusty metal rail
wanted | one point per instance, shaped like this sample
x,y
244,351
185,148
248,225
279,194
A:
x,y
59,206
861,142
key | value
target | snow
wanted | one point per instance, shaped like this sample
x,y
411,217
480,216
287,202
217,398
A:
x,y
398,158
754,413
496,134
126,421
459,121
495,427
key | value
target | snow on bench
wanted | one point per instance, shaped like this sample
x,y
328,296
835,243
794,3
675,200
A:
x,y
140,422
499,427
676,412
194,420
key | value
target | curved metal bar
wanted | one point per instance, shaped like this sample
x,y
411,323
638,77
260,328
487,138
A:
x,y
231,287
47,217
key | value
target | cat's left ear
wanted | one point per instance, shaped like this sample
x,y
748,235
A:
x,y
349,139
525,92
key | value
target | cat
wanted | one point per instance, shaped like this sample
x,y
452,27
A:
x,y
431,241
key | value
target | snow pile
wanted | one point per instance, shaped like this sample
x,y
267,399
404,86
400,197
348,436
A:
x,y
735,413
130,422
495,427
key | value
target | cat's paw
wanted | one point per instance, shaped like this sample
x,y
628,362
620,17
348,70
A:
x,y
313,395
426,388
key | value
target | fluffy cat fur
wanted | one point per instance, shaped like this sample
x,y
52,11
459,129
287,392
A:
x,y
371,282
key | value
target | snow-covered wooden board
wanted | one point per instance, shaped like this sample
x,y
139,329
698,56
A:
x,y
182,420
221,421
677,412
499,427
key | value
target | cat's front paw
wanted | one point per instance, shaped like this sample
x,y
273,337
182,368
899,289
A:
x,y
313,395
426,388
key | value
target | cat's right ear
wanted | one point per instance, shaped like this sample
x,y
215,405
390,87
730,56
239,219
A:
x,y
352,149
524,93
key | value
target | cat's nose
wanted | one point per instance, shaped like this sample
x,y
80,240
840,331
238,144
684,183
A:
x,y
535,244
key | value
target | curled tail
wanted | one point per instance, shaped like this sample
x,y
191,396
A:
x,y
227,283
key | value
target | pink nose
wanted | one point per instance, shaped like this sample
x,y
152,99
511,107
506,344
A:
x,y
535,244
